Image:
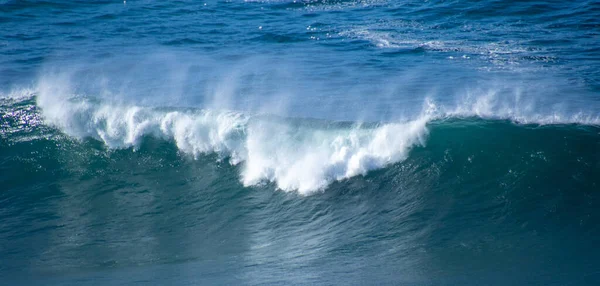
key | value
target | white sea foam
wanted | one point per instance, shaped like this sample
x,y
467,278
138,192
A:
x,y
18,94
380,39
293,156
490,104
502,54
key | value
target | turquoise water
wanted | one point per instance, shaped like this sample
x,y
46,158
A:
x,y
299,142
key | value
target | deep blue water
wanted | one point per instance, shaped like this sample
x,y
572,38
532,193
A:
x,y
299,142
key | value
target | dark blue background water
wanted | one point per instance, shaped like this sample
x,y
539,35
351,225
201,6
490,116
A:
x,y
500,188
314,53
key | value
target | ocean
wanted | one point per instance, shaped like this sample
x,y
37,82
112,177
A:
x,y
331,142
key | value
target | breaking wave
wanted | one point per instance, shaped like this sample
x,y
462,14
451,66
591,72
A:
x,y
303,155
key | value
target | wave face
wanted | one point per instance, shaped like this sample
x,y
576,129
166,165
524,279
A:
x,y
462,194
314,142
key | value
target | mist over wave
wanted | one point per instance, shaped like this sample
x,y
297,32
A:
x,y
296,156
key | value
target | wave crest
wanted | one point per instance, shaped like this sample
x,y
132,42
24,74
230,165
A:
x,y
294,156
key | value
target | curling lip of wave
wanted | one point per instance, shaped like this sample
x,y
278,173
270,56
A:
x,y
295,157
298,157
